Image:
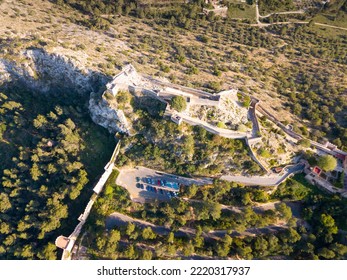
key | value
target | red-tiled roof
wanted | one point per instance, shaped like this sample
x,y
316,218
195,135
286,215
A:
x,y
317,170
62,242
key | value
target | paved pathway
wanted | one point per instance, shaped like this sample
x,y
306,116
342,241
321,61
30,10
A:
x,y
267,180
214,129
253,118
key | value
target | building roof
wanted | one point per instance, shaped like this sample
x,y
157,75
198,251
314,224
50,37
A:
x,y
317,170
62,242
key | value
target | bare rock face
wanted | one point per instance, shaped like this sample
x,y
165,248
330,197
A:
x,y
48,72
110,118
52,73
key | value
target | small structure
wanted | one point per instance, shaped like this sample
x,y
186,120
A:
x,y
278,169
317,170
330,146
121,81
114,89
62,242
176,119
218,7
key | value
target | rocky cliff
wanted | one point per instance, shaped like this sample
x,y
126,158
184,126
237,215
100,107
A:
x,y
105,115
49,72
53,73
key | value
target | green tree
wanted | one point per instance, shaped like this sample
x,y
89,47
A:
x,y
48,253
189,145
285,212
147,255
339,249
171,249
304,143
40,121
114,236
246,101
130,252
4,227
130,229
148,233
327,162
326,253
188,249
261,245
214,209
192,190
327,227
5,203
35,172
223,246
171,237
178,103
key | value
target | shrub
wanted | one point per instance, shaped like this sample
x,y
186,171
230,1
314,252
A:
x,y
178,103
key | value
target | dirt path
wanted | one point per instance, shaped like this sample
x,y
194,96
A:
x,y
282,13
260,24
331,26
119,219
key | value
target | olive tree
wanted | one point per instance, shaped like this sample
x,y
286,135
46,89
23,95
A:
x,y
327,162
178,103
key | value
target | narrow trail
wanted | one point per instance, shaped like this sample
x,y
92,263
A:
x,y
282,13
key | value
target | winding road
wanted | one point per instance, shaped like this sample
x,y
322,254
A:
x,y
267,180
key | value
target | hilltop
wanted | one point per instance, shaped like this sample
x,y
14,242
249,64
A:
x,y
57,60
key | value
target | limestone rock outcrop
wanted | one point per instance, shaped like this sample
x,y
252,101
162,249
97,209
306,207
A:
x,y
54,73
106,116
49,72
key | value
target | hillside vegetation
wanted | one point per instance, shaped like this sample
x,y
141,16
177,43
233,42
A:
x,y
51,152
297,70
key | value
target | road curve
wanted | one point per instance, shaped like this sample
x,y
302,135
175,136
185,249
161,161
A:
x,y
267,180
